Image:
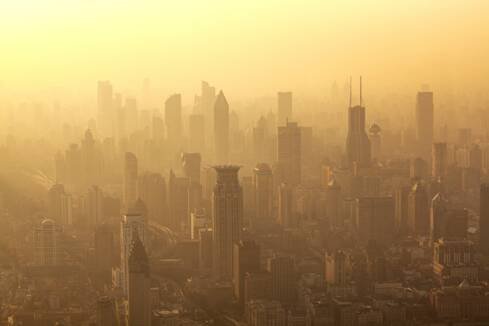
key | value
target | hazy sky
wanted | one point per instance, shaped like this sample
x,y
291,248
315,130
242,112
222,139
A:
x,y
253,46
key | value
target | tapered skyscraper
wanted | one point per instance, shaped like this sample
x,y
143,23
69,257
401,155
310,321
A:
x,y
221,128
227,209
357,142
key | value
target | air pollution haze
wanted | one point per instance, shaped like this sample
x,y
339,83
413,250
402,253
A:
x,y
251,163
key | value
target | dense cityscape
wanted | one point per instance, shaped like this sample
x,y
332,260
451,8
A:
x,y
341,202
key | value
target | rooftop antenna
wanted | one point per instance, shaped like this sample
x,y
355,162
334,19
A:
x,y
350,91
360,90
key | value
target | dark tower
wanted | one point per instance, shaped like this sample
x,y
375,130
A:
x,y
484,219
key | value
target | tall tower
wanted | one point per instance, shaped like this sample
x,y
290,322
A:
x,y
484,219
95,198
424,123
46,238
139,300
419,210
246,258
263,183
227,209
357,142
221,128
191,166
106,312
375,141
104,253
130,225
438,213
284,103
289,153
60,205
439,162
196,132
152,191
282,269
173,119
130,180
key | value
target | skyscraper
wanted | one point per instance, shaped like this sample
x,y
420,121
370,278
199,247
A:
x,y
47,246
152,191
178,188
357,143
191,166
439,167
375,219
284,104
419,210
106,314
263,183
196,132
246,258
375,141
221,128
424,123
130,224
104,253
138,297
94,209
173,120
130,194
484,219
287,214
289,153
60,205
227,214
282,269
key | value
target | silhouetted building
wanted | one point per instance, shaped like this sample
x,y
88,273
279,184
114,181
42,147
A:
x,y
284,103
173,119
129,224
287,211
47,243
424,123
227,214
439,161
419,210
246,258
289,153
263,182
375,141
107,314
152,191
60,205
282,269
104,253
196,131
221,128
358,149
484,219
375,219
130,184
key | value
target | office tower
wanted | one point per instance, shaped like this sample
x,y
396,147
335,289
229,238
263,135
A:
x,y
424,123
152,191
484,219
94,209
263,183
130,180
104,253
257,286
91,160
207,101
439,168
259,140
454,259
265,313
333,204
307,155
475,157
129,224
358,149
464,136
418,210
196,131
438,214
289,153
138,296
191,166
198,221
338,268
105,107
178,188
205,249
284,103
282,269
60,205
418,169
401,206
158,129
456,223
221,128
106,313
227,214
287,210
375,141
248,200
375,219
47,243
173,120
246,258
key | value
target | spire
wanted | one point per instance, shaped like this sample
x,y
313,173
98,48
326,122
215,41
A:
x,y
360,90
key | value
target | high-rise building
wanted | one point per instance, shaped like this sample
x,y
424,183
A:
x,y
152,191
196,131
338,268
47,243
173,120
282,269
418,169
94,205
106,314
178,189
227,214
424,123
333,203
284,103
246,258
257,286
289,153
439,161
265,313
60,206
205,249
191,166
454,259
130,180
263,183
357,143
138,296
484,219
419,210
401,206
375,219
130,225
287,210
221,128
104,253
375,141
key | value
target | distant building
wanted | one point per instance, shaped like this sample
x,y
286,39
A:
x,y
454,260
282,269
424,123
439,161
104,253
284,104
106,313
130,182
289,153
130,224
358,150
484,219
221,128
60,206
246,259
265,313
375,219
419,210
47,243
173,119
263,184
152,191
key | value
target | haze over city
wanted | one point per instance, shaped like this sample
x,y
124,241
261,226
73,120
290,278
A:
x,y
244,163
